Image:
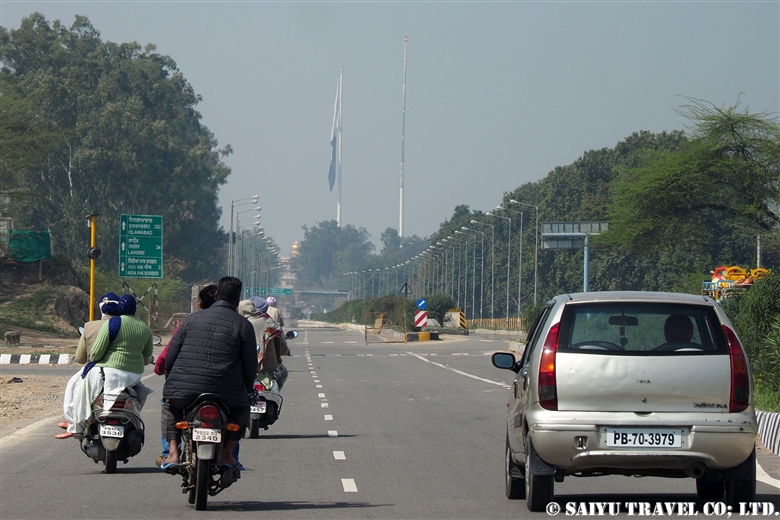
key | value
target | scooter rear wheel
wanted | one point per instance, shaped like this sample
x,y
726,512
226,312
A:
x,y
110,462
254,428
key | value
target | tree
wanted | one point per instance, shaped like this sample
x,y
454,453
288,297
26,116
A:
x,y
130,141
328,250
725,173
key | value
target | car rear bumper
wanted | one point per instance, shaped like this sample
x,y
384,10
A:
x,y
574,441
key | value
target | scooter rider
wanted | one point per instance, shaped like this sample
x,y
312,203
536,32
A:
x,y
275,313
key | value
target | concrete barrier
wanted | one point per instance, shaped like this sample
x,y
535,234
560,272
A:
x,y
769,430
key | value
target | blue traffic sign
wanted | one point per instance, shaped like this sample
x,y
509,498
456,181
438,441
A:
x,y
421,304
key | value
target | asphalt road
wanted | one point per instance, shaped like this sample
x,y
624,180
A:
x,y
366,431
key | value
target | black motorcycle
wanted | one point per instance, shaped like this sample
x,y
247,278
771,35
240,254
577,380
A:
x,y
203,438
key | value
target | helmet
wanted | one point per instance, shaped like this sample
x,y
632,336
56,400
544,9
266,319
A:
x,y
271,301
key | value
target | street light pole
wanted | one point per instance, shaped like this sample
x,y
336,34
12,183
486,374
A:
x,y
536,247
481,271
492,268
231,240
508,262
520,267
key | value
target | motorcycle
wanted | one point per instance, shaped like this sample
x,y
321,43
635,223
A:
x,y
269,404
203,430
115,433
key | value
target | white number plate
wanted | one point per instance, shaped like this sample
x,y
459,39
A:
x,y
643,438
106,430
206,435
259,408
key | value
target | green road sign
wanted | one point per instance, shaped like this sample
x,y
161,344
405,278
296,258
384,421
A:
x,y
140,246
279,291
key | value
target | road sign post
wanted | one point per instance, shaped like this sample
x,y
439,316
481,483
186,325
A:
x,y
140,246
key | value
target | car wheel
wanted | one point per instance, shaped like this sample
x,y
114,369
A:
x,y
710,489
515,487
538,488
742,489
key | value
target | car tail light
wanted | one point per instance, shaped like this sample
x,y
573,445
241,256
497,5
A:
x,y
548,395
740,382
259,386
208,413
120,405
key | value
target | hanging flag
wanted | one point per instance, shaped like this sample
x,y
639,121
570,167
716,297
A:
x,y
335,135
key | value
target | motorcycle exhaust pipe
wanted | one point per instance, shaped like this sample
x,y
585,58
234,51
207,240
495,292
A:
x,y
229,476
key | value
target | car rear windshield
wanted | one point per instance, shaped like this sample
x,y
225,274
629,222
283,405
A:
x,y
641,329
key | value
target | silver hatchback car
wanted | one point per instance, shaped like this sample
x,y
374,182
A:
x,y
635,384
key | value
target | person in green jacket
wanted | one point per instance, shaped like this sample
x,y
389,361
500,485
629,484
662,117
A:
x,y
122,347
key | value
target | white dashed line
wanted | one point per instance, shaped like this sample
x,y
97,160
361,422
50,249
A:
x,y
339,455
320,395
328,417
349,485
349,342
333,433
323,405
327,342
319,386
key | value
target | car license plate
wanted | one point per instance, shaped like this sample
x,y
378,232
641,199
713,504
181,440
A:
x,y
643,438
259,408
206,435
106,430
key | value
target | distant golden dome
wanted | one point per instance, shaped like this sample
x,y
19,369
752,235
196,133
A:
x,y
296,249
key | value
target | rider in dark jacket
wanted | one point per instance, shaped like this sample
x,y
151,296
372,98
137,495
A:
x,y
214,351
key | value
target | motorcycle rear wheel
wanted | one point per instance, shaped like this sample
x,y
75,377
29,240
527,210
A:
x,y
110,462
202,478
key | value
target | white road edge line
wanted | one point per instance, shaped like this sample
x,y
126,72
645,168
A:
x,y
459,372
764,477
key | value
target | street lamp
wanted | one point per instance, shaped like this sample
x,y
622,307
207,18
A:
x,y
520,268
249,200
492,269
508,261
481,271
536,247
473,269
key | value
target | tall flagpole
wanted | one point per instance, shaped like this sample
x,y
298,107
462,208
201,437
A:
x,y
403,131
338,209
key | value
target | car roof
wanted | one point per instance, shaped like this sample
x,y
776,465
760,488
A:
x,y
637,296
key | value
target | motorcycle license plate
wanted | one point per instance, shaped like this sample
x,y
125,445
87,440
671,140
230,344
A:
x,y
206,435
258,408
107,430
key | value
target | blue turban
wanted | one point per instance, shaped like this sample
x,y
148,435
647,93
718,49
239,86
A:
x,y
127,305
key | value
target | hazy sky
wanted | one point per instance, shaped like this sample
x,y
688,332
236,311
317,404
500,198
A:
x,y
498,93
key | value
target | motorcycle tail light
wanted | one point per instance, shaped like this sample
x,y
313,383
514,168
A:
x,y
233,427
208,413
259,386
120,405
205,424
113,421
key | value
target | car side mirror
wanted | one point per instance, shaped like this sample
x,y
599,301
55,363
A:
x,y
504,360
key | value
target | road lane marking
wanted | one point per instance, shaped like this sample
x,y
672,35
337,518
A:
x,y
333,433
328,417
320,395
459,371
339,455
349,485
323,405
319,386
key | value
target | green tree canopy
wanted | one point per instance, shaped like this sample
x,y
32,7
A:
x,y
129,141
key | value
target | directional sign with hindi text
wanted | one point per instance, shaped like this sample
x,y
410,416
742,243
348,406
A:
x,y
141,246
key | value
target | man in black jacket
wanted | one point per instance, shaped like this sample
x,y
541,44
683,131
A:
x,y
213,351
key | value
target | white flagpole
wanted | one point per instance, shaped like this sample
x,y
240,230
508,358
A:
x,y
403,130
338,171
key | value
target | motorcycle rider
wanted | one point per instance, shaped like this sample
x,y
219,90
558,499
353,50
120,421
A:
x,y
213,351
275,313
254,310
